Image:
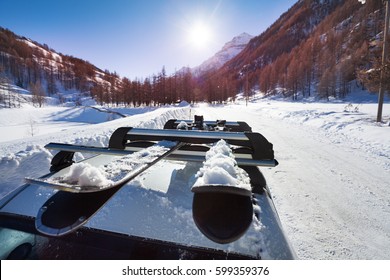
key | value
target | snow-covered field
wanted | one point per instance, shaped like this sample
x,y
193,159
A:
x,y
23,155
331,188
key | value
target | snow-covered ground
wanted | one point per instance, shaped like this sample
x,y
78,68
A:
x,y
23,155
331,188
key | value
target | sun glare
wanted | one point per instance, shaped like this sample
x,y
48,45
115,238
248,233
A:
x,y
199,35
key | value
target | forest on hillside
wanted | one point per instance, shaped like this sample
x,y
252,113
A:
x,y
317,48
42,71
308,52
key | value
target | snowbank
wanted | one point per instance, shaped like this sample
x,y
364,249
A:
x,y
27,163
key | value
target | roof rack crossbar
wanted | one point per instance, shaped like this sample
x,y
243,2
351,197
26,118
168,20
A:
x,y
189,135
261,148
227,125
242,159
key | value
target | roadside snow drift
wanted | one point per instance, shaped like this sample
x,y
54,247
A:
x,y
26,156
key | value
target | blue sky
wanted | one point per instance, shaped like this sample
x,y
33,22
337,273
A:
x,y
136,38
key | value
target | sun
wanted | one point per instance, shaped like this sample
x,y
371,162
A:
x,y
199,35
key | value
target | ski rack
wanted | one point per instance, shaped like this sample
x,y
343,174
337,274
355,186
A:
x,y
249,148
199,123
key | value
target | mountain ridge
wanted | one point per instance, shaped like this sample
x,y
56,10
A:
x,y
226,53
25,62
317,48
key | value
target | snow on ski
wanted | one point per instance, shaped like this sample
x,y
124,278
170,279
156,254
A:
x,y
83,177
66,211
221,168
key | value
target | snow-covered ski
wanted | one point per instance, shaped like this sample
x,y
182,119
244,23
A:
x,y
222,204
74,204
83,177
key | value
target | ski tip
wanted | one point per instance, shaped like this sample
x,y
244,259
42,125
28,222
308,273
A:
x,y
67,187
53,230
222,213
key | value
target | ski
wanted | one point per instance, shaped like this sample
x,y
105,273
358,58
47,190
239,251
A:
x,y
73,205
82,177
222,206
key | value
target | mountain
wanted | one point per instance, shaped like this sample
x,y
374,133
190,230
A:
x,y
34,66
320,48
317,47
33,72
287,32
229,51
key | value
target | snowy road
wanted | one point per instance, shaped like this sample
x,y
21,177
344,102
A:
x,y
333,199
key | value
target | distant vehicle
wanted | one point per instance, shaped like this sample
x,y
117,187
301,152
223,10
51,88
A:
x,y
152,206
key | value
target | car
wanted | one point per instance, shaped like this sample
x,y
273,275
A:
x,y
203,196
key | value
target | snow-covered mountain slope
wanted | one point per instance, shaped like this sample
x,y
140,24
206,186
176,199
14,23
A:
x,y
229,50
24,62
